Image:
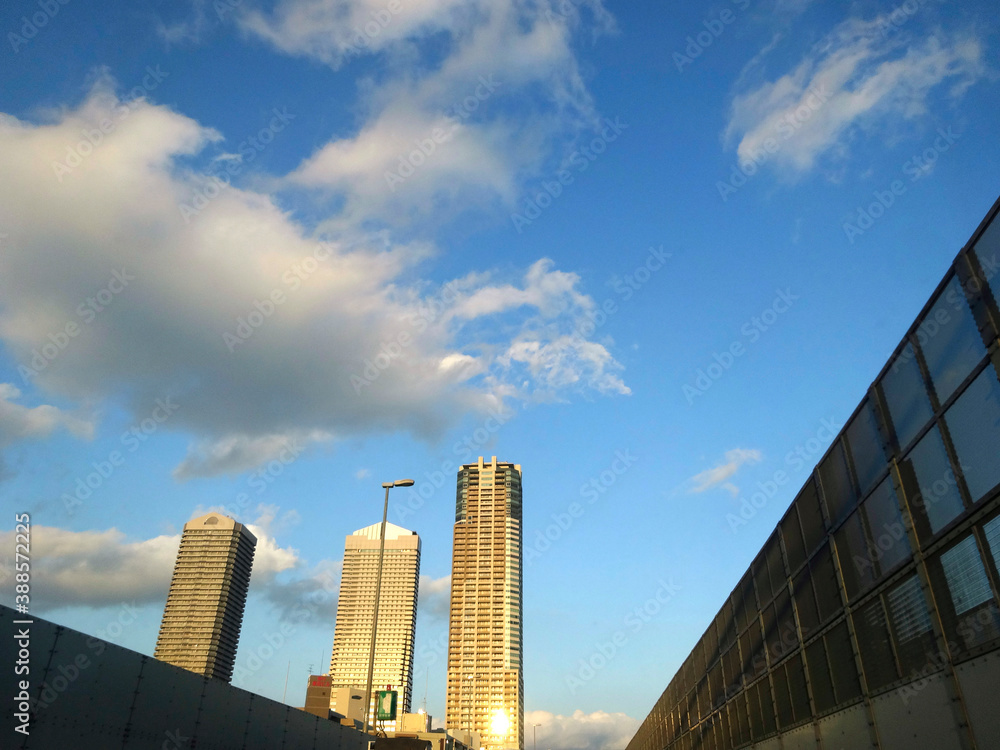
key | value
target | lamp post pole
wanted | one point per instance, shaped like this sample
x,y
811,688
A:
x,y
534,736
378,593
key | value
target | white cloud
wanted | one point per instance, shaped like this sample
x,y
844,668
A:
x,y
291,376
857,77
442,134
565,362
435,596
717,475
235,454
581,731
97,568
362,474
334,31
19,422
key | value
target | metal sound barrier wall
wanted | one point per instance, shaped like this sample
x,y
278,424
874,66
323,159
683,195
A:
x,y
88,694
871,617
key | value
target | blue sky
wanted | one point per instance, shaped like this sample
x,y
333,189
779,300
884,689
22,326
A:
x,y
266,256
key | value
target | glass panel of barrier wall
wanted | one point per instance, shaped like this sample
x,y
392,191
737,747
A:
x,y
910,621
988,252
865,444
969,612
950,340
838,488
878,657
974,425
904,393
936,499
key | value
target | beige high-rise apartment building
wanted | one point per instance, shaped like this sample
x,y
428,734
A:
x,y
485,641
397,616
201,622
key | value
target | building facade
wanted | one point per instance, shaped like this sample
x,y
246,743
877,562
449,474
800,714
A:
x,y
397,616
485,642
871,617
204,613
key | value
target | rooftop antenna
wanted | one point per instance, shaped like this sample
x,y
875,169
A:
x,y
427,676
287,670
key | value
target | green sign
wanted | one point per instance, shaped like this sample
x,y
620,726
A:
x,y
385,708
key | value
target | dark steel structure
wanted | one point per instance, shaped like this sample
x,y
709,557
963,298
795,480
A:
x,y
871,617
88,694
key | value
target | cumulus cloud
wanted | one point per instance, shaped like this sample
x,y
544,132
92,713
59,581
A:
x,y
103,568
18,422
856,78
97,568
442,133
581,731
347,349
719,475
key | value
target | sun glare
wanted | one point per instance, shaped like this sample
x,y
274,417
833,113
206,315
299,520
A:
x,y
500,724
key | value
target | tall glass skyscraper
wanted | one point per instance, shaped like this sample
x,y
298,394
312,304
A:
x,y
397,617
485,640
201,622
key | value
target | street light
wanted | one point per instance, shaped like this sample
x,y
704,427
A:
x,y
378,591
534,736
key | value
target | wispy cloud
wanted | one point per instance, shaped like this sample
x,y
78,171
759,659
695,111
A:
x,y
719,475
857,77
